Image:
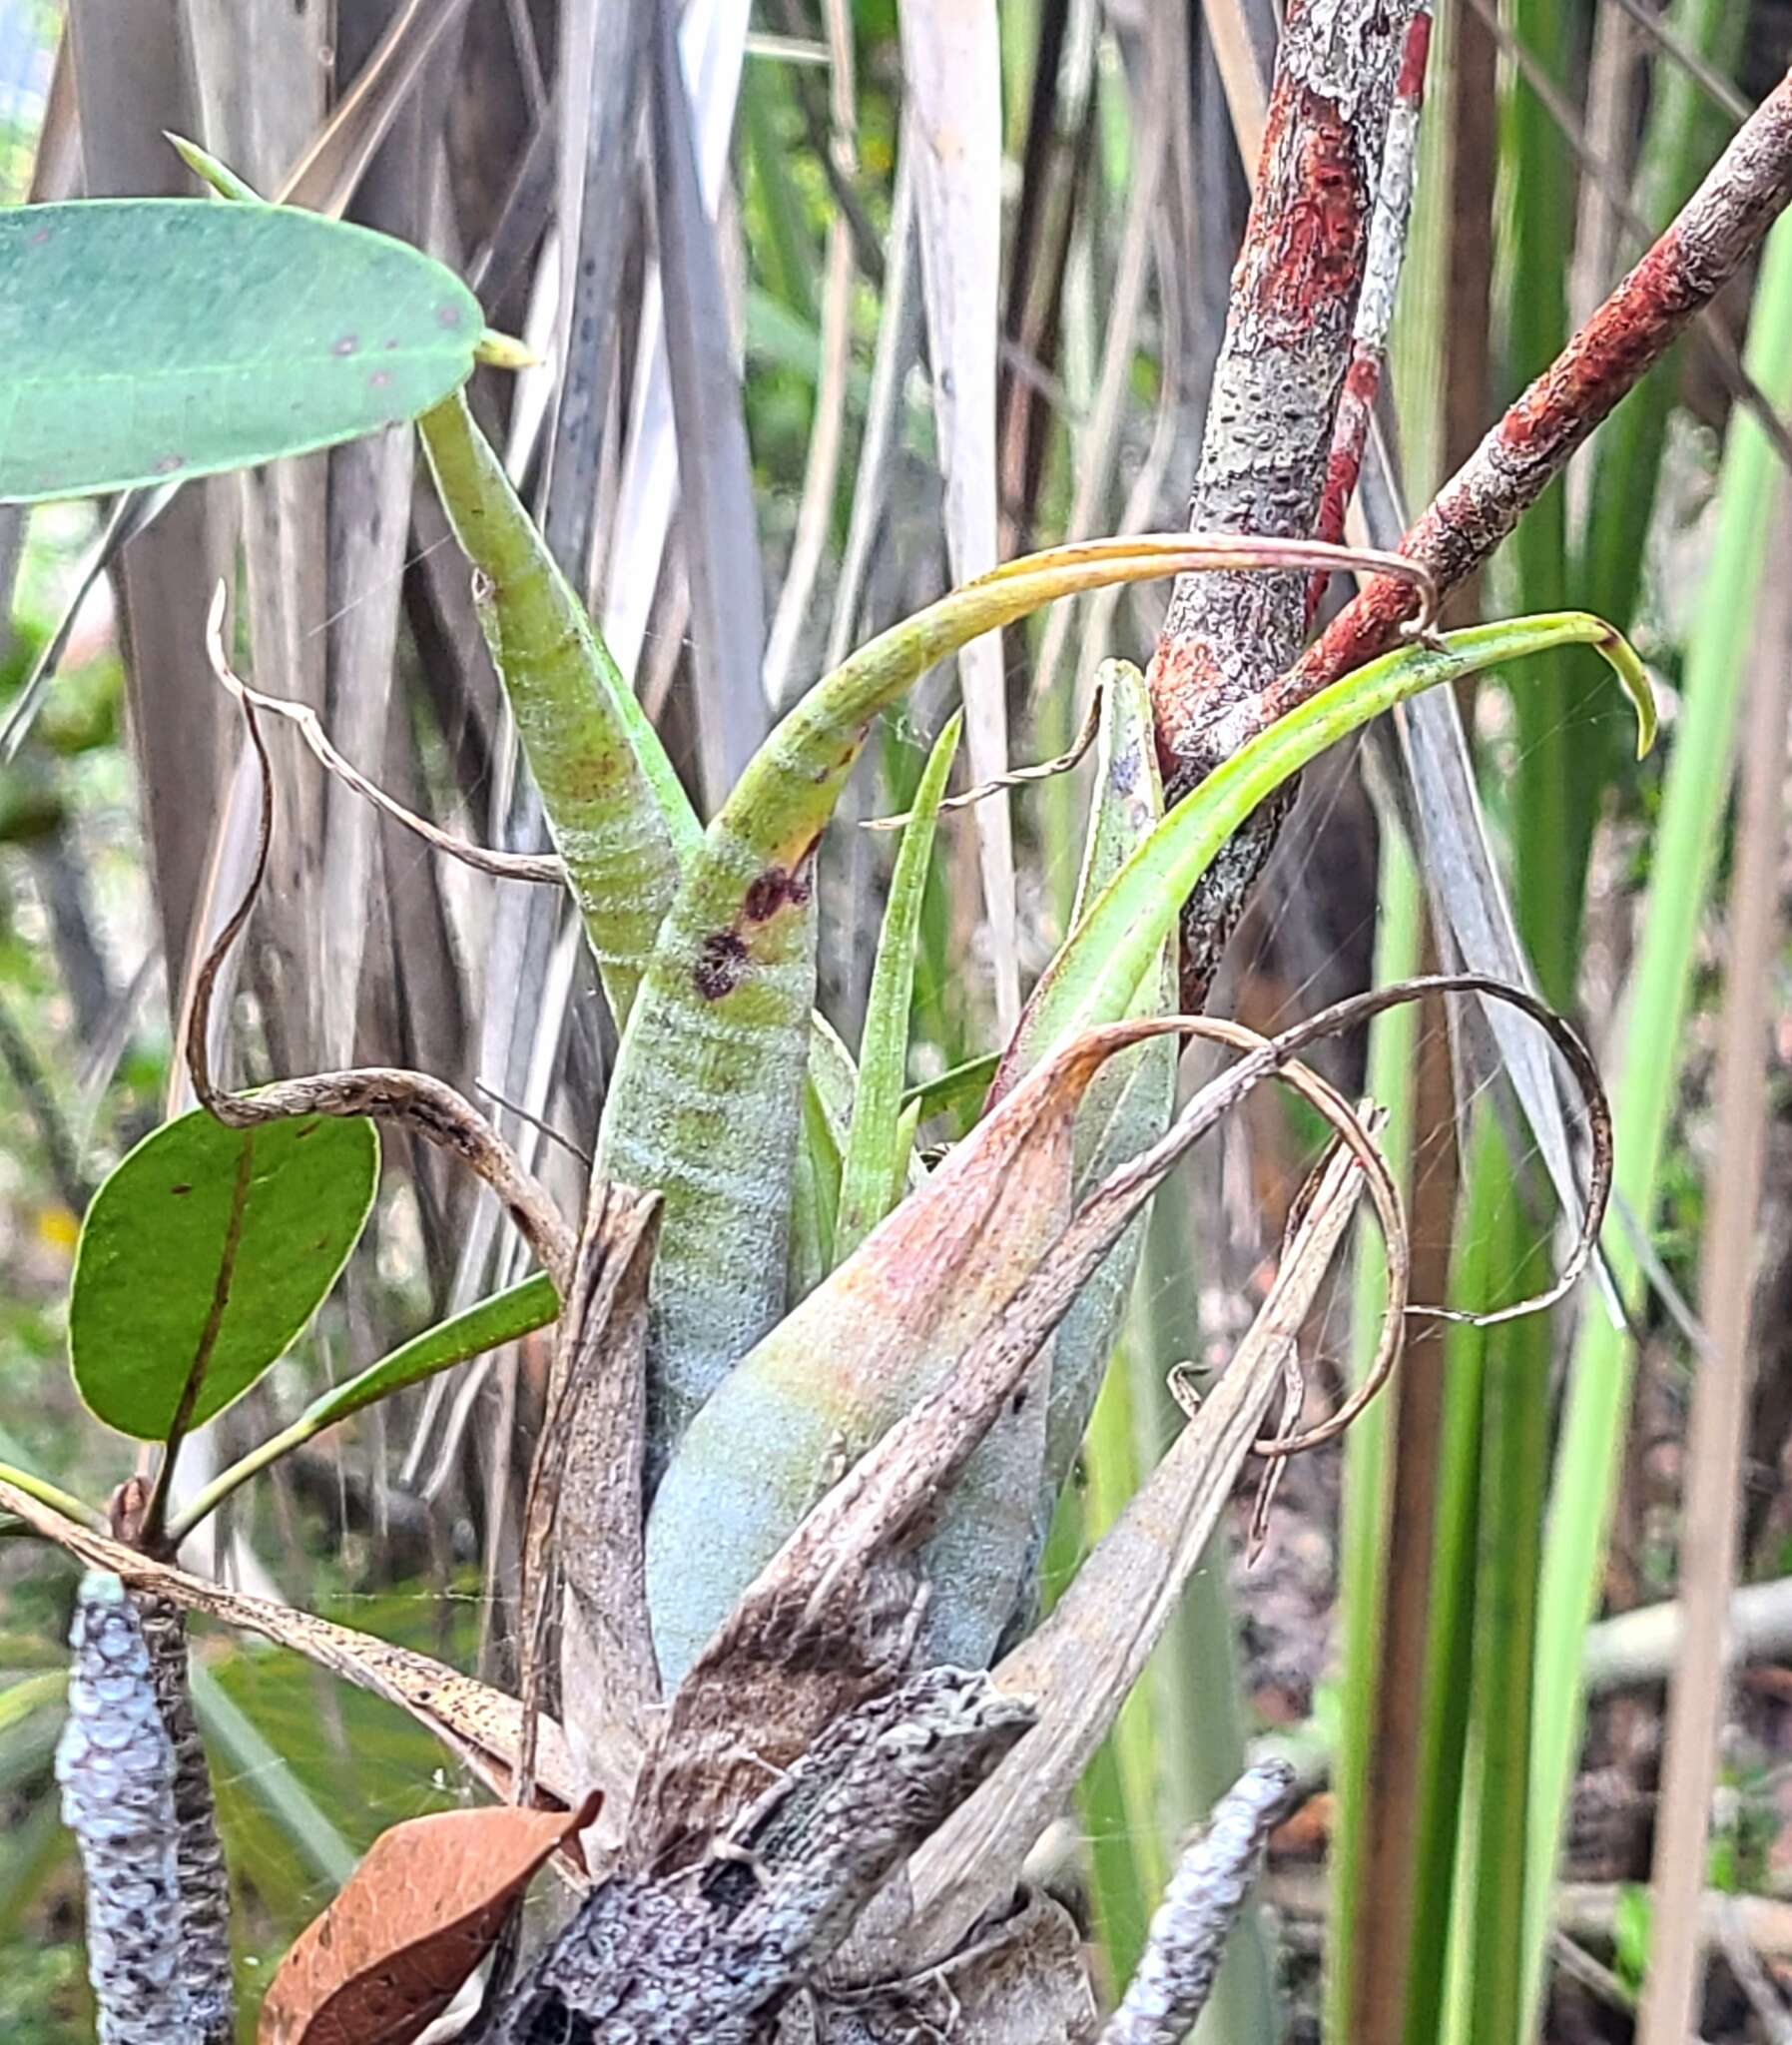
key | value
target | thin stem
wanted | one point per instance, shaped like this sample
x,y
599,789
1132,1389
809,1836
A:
x,y
51,1494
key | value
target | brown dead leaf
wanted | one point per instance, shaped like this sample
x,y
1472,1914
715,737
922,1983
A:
x,y
415,1918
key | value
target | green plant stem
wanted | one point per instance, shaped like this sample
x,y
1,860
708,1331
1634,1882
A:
x,y
51,1494
1685,857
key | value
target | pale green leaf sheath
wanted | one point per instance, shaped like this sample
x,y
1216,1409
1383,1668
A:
x,y
705,1105
1129,1104
831,1379
620,820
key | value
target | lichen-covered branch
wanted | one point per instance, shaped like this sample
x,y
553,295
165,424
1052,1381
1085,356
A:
x,y
1272,414
204,1888
1722,224
714,1953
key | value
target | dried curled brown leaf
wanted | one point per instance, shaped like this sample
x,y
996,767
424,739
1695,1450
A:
x,y
412,1923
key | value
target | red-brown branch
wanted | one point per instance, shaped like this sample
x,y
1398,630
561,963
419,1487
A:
x,y
1375,305
1719,228
1273,410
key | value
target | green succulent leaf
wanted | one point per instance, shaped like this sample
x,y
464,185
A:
x,y
871,1178
204,1256
1119,938
618,814
1130,1100
703,1105
620,820
150,339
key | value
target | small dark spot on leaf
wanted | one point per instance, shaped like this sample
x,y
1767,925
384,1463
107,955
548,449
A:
x,y
720,959
180,1189
1019,1400
346,345
310,1128
169,463
448,316
380,380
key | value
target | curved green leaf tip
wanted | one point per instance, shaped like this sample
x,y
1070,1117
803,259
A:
x,y
144,341
204,1256
1633,679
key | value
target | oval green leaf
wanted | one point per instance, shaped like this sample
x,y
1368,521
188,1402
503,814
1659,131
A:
x,y
149,338
204,1256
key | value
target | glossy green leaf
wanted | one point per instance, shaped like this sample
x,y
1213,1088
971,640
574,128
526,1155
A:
x,y
149,338
704,1103
204,1256
487,1324
870,1180
1119,940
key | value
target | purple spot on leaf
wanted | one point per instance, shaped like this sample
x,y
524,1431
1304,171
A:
x,y
169,463
448,316
346,345
721,961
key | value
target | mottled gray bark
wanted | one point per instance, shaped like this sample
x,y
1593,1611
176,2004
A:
x,y
714,1953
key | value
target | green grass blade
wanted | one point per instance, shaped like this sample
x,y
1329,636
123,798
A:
x,y
1681,142
960,1090
1368,1448
235,1737
1684,860
869,1180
